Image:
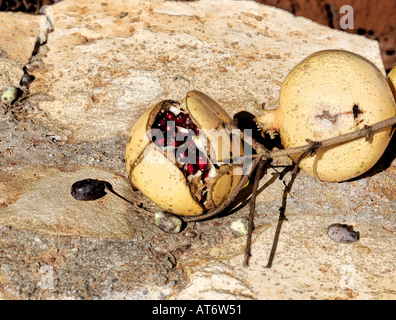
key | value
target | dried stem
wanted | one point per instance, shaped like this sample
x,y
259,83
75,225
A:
x,y
367,131
138,207
257,178
282,217
264,154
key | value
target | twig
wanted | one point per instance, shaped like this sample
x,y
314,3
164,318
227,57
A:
x,y
331,142
257,178
275,175
138,207
282,217
265,154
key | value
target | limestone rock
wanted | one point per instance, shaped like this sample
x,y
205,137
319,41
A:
x,y
133,54
39,199
308,265
100,68
18,35
11,73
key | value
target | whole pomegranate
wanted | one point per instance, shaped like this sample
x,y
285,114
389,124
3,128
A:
x,y
328,94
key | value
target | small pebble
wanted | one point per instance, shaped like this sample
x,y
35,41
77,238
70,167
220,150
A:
x,y
342,233
240,227
190,234
167,222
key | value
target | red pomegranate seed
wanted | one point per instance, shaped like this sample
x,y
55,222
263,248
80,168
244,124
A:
x,y
181,136
171,143
169,128
186,155
190,145
180,118
187,122
154,132
169,115
202,163
166,121
174,143
157,136
189,169
182,156
159,123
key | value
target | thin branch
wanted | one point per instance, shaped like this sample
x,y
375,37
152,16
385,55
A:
x,y
138,207
282,217
265,154
257,178
275,175
367,131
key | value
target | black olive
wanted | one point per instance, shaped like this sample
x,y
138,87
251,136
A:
x,y
88,189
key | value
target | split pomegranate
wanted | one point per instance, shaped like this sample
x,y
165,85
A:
x,y
181,155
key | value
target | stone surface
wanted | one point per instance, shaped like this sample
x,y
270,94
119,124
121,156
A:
x,y
308,263
98,71
18,35
11,73
46,204
160,50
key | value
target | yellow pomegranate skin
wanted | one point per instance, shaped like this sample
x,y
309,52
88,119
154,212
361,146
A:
x,y
157,175
328,94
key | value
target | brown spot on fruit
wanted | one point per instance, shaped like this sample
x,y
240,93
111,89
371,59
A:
x,y
326,115
356,111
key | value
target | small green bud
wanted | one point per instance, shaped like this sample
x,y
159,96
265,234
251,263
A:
x,y
9,95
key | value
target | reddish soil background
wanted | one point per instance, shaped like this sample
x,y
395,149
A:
x,y
29,6
373,19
